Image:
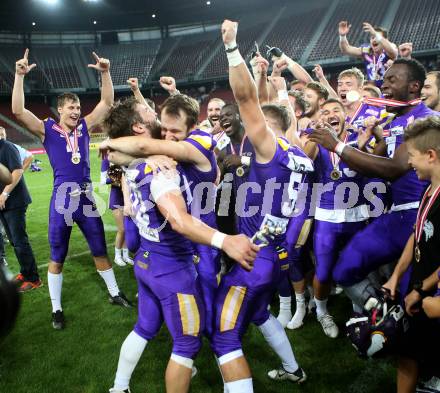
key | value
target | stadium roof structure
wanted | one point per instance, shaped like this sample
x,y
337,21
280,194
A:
x,y
89,15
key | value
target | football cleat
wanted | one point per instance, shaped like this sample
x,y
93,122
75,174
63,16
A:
x,y
299,376
58,322
284,317
328,325
120,262
19,279
128,260
29,285
298,319
120,300
113,390
194,371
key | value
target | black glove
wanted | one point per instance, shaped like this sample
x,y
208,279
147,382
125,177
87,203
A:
x,y
273,51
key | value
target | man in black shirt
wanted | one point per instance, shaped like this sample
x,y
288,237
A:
x,y
14,200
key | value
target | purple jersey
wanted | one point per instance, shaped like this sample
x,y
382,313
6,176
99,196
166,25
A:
x,y
408,188
374,64
105,165
344,193
202,184
155,231
60,154
365,112
269,195
244,148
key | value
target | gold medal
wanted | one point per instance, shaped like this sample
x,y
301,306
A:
x,y
76,158
335,175
417,254
240,171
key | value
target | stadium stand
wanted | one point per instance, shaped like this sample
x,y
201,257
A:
x,y
127,60
293,32
356,12
418,20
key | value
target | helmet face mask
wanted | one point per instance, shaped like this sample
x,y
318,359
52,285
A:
x,y
377,331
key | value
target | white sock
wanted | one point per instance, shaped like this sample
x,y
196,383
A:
x,y
310,289
285,303
131,351
240,386
321,307
125,253
55,284
110,280
300,297
118,253
277,339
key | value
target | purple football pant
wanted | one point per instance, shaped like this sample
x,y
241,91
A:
x,y
85,215
381,242
171,297
116,198
243,297
208,269
328,241
132,237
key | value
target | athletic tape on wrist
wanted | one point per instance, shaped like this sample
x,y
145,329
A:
x,y
282,95
217,240
340,148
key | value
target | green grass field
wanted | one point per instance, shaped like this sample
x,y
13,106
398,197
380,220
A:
x,y
35,358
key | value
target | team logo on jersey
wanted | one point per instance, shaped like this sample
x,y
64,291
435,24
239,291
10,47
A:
x,y
428,228
410,120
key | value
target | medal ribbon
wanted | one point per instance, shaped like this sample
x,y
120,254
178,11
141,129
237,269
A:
x,y
334,157
393,103
356,113
73,148
424,210
241,146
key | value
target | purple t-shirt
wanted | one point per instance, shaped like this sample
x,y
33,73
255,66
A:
x,y
374,64
60,154
407,188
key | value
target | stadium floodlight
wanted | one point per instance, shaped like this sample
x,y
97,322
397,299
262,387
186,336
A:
x,y
51,1
33,23
153,16
95,22
208,3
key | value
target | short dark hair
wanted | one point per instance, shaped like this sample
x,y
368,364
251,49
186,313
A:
x,y
333,101
62,98
121,118
416,70
181,102
437,78
318,88
382,30
374,90
279,113
299,99
232,105
424,134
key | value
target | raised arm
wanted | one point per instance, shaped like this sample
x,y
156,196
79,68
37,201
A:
x,y
364,163
323,80
24,116
245,93
280,58
107,94
344,45
259,68
134,86
389,47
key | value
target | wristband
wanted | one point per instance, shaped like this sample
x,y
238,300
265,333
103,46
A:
x,y
342,37
217,240
174,92
282,95
340,148
245,160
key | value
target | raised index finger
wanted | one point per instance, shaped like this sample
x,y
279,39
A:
x,y
95,56
26,53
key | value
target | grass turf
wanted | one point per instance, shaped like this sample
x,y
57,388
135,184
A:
x,y
83,357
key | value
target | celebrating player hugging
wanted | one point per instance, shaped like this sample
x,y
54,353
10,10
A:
x,y
237,209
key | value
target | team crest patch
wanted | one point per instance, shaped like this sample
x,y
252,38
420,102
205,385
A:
x,y
428,228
